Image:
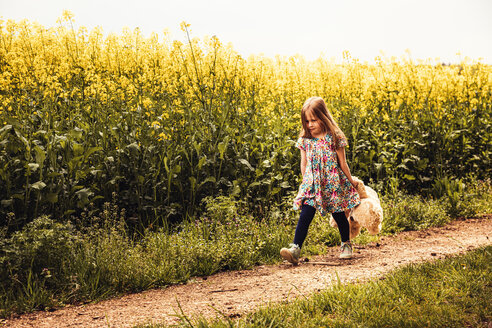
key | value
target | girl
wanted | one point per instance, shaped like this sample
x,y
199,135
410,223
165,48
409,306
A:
x,y
327,185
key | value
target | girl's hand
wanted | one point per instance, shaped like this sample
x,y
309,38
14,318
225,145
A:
x,y
354,183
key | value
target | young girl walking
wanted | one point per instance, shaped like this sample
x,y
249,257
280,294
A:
x,y
327,185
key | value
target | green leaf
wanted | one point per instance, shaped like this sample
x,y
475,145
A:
x,y
33,166
245,162
254,184
75,133
165,164
95,172
18,196
22,138
408,177
51,197
197,147
78,149
222,148
76,188
236,190
402,166
201,162
133,146
53,175
6,202
74,162
40,155
209,179
83,194
422,164
7,127
38,185
285,184
91,151
39,133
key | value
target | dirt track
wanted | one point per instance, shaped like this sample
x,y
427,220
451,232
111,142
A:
x,y
237,292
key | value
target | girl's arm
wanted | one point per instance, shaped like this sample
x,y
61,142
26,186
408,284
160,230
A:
x,y
343,165
303,162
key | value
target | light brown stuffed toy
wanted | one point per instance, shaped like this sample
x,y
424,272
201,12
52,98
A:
x,y
368,214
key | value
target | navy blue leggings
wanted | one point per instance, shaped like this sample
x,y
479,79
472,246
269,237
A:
x,y
307,215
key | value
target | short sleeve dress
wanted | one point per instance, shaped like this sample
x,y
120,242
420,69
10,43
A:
x,y
324,185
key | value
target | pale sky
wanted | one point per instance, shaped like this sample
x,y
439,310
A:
x,y
429,29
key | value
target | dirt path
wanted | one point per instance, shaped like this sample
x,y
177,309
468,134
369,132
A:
x,y
237,292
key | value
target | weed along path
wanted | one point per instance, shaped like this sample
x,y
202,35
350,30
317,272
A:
x,y
237,292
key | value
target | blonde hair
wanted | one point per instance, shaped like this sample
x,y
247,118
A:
x,y
318,108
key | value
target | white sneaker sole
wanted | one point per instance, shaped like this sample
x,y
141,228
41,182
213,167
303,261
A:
x,y
286,255
347,256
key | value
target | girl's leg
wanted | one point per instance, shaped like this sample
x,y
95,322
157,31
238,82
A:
x,y
307,215
343,225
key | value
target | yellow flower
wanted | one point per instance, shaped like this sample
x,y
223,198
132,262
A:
x,y
163,136
146,103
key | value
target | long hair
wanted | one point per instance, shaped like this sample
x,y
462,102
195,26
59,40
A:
x,y
318,108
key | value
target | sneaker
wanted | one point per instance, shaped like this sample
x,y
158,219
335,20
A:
x,y
291,254
346,250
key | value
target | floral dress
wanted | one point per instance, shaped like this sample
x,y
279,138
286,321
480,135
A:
x,y
324,185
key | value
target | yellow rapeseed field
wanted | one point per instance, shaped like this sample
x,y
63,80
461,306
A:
x,y
162,124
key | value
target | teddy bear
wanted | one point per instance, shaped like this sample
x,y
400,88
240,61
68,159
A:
x,y
368,214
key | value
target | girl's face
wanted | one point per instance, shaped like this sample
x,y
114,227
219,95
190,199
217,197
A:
x,y
313,124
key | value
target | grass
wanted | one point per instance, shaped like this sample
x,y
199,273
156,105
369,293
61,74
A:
x,y
50,264
453,292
